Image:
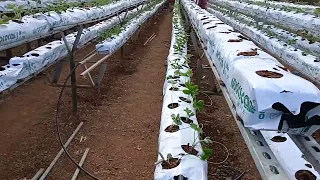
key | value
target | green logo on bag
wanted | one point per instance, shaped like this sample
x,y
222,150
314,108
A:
x,y
244,99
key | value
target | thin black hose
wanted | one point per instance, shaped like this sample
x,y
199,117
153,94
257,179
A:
x,y
58,128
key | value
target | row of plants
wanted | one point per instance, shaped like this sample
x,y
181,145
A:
x,y
255,82
114,38
300,22
250,74
301,60
182,150
18,11
34,61
308,44
305,35
288,7
27,27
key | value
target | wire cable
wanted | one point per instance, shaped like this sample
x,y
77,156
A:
x,y
58,128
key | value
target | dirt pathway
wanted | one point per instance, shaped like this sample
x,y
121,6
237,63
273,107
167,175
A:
x,y
123,134
122,120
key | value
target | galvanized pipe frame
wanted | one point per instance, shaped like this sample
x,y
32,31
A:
x,y
54,80
263,157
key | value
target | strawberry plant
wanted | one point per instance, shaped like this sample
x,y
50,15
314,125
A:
x,y
189,112
191,90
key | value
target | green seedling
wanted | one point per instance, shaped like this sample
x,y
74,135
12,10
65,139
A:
x,y
198,105
187,74
196,127
189,112
191,90
162,160
17,10
176,119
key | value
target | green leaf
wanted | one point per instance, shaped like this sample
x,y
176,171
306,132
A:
x,y
198,105
206,154
186,91
196,128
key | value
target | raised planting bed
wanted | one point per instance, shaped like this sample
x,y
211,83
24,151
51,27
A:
x,y
289,7
31,27
182,151
35,61
309,44
265,94
30,6
305,63
114,38
273,152
297,21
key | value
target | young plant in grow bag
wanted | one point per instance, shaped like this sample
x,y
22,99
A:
x,y
317,10
176,65
187,74
191,90
187,120
206,142
174,87
198,105
4,19
176,121
17,10
168,163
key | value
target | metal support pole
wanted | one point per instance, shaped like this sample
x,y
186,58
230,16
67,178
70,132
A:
x,y
199,71
72,66
29,46
57,73
8,53
103,69
122,51
194,42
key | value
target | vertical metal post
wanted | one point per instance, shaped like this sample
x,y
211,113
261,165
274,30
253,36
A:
x,y
29,46
199,72
72,66
8,53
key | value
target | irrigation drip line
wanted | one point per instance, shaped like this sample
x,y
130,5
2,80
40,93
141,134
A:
x,y
58,128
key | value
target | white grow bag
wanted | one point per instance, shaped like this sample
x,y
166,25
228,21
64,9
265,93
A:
x,y
290,19
252,94
16,31
306,64
191,167
110,45
22,67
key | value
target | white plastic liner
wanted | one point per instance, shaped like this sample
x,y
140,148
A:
x,y
290,19
278,5
35,60
27,28
308,64
191,167
286,36
252,94
288,154
110,45
27,4
42,23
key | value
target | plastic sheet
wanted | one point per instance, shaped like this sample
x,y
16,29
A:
x,y
239,63
191,166
35,60
291,19
305,63
111,44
